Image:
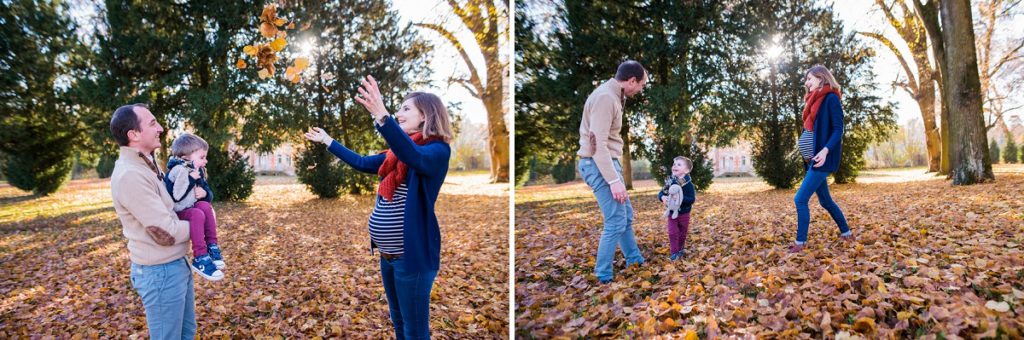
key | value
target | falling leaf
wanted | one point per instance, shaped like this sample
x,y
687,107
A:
x,y
278,44
305,26
302,63
291,25
250,50
268,30
1000,306
264,73
280,22
240,64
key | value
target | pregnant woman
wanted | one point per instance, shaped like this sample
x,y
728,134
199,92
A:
x,y
403,225
820,146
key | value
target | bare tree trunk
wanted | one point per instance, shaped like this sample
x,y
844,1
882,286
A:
x,y
497,140
929,14
921,87
970,159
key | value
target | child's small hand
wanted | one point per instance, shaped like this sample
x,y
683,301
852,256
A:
x,y
200,193
194,174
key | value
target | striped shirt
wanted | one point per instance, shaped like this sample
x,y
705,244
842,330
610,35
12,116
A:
x,y
386,222
806,144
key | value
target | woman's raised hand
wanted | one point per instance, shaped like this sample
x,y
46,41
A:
x,y
318,135
369,96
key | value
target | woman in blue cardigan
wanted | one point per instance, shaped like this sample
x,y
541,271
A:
x,y
820,144
403,225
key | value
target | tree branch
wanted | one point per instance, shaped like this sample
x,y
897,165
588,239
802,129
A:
x,y
473,76
899,55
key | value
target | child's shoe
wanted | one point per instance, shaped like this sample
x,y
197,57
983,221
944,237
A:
x,y
214,252
204,266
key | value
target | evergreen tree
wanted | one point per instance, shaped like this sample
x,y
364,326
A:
x,y
1010,152
993,149
349,39
38,125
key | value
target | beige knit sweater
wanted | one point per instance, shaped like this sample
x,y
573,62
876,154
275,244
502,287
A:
x,y
154,232
600,126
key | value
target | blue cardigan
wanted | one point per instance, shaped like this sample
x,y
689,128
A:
x,y
828,132
428,166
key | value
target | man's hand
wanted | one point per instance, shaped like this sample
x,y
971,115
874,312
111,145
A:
x,y
200,193
619,192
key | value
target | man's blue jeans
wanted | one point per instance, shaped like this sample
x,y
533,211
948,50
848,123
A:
x,y
408,298
815,182
168,297
618,221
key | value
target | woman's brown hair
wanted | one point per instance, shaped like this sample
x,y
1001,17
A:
x,y
435,116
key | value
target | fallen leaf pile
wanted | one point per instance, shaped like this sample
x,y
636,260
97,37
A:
x,y
298,267
929,259
273,30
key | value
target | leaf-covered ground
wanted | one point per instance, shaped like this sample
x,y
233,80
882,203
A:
x,y
298,266
930,260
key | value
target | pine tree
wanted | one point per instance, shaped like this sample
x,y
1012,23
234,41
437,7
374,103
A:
x,y
350,40
39,128
993,150
1010,152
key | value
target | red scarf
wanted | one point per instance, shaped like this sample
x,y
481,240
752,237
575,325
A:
x,y
812,101
393,171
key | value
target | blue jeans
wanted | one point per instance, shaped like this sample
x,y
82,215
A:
x,y
815,182
408,298
618,221
168,297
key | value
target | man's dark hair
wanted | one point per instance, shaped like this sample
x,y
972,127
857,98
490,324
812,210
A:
x,y
630,69
125,120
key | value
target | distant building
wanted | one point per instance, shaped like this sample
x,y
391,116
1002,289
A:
x,y
280,161
734,160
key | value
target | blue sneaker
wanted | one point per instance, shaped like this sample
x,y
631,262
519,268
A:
x,y
214,252
204,266
674,256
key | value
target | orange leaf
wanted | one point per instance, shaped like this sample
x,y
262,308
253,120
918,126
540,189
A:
x,y
264,73
301,63
240,64
280,22
250,50
278,44
268,30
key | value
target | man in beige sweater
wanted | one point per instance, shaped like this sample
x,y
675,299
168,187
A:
x,y
600,150
157,239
